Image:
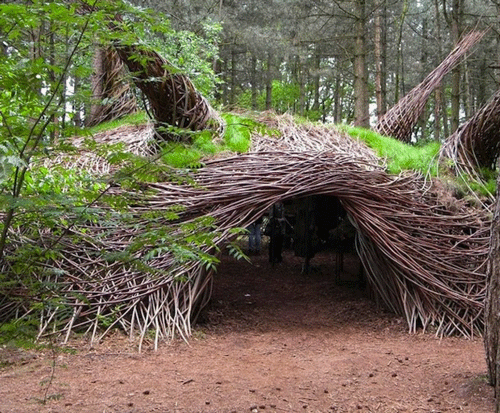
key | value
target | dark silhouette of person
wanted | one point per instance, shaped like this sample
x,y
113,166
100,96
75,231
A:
x,y
254,237
276,232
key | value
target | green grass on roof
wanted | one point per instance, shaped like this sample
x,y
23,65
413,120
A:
x,y
137,118
399,155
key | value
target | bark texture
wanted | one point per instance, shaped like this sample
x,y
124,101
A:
x,y
492,305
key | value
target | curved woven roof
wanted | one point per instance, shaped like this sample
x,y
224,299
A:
x,y
425,253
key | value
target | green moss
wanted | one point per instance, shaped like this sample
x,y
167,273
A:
x,y
138,118
237,138
485,186
423,158
181,155
399,155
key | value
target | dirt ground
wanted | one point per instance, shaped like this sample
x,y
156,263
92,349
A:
x,y
274,340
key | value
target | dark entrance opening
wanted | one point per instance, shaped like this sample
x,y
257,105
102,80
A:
x,y
318,277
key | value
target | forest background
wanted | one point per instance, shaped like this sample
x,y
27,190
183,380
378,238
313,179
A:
x,y
329,61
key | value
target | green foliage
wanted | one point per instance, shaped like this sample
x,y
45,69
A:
x,y
237,138
48,45
193,54
285,96
485,185
133,119
423,158
239,132
19,333
399,156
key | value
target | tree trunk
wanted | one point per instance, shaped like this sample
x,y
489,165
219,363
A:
x,y
454,22
253,81
399,65
497,4
269,82
337,107
492,305
77,109
225,89
317,65
440,112
361,110
379,49
300,79
437,114
422,122
97,86
232,89
468,104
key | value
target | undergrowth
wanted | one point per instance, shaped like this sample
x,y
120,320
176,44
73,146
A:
x,y
423,158
133,119
399,155
236,138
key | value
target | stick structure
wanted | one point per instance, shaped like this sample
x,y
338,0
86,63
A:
x,y
425,257
173,98
476,144
400,120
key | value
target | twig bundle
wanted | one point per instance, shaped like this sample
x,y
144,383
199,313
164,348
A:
x,y
174,100
114,94
400,120
423,260
476,144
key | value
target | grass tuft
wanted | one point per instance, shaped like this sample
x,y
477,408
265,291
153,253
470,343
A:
x,y
399,155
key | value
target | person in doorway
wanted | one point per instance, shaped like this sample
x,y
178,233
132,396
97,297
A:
x,y
254,237
276,232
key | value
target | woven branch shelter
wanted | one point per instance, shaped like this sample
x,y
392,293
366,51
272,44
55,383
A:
x,y
400,120
113,95
173,98
424,252
476,144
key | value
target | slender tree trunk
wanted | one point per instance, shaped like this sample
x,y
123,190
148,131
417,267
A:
x,y
423,67
399,52
325,110
379,49
97,82
225,88
361,110
269,82
317,65
440,112
300,79
232,89
437,113
253,81
77,109
52,77
497,3
337,107
468,105
454,22
481,86
492,305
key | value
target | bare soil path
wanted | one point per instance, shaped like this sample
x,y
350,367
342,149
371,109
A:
x,y
274,340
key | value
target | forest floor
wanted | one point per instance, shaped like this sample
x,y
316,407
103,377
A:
x,y
273,340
